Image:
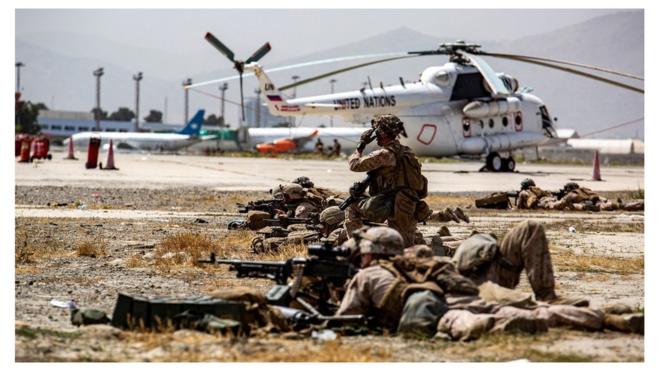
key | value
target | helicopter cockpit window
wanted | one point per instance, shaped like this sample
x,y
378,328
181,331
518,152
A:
x,y
442,78
469,86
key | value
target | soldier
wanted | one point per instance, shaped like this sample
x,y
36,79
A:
x,y
332,227
397,184
464,308
336,148
316,195
318,147
581,198
533,197
297,202
367,290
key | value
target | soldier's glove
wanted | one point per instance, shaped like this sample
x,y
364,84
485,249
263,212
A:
x,y
366,138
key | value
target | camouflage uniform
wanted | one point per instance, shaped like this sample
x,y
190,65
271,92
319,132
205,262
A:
x,y
267,241
298,204
336,148
332,219
367,289
391,179
449,215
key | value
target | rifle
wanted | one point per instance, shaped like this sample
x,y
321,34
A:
x,y
327,266
262,205
285,221
357,191
301,319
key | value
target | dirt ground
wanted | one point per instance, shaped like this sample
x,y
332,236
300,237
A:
x,y
89,244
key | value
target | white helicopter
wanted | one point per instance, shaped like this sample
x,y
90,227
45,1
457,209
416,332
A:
x,y
460,108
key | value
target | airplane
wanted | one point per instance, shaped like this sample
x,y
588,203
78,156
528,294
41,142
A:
x,y
170,142
460,108
286,144
348,137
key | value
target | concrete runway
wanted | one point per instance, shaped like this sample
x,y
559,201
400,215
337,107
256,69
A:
x,y
225,173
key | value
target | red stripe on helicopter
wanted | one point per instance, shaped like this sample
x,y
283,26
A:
x,y
289,108
274,98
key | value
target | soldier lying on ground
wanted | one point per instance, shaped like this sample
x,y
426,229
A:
x,y
464,297
449,215
330,228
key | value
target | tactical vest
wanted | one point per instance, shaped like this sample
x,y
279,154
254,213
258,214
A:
x,y
406,174
584,194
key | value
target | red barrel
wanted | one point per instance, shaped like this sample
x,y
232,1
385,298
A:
x,y
93,153
25,150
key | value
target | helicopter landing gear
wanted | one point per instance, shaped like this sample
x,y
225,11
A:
x,y
494,162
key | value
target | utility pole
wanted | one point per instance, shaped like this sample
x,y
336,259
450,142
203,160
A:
x,y
187,82
137,79
258,108
97,114
18,75
332,91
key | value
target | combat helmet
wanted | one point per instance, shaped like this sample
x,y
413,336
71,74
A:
x,y
304,181
379,240
389,124
526,183
331,215
291,191
570,186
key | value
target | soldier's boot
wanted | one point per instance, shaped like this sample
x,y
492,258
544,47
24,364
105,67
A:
x,y
631,322
524,324
451,214
444,231
617,308
461,215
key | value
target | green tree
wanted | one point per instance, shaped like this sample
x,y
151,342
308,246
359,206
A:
x,y
154,116
122,114
26,116
103,116
212,120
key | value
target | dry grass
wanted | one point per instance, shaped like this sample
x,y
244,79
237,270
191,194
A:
x,y
441,201
30,248
92,248
183,249
331,351
567,261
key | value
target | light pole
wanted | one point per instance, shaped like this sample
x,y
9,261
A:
x,y
97,114
18,75
332,91
187,82
257,117
223,89
137,79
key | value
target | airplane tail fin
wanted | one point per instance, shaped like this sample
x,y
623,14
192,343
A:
x,y
194,125
277,103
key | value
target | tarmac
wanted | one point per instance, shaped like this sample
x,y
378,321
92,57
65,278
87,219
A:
x,y
142,170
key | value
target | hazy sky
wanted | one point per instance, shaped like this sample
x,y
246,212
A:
x,y
293,32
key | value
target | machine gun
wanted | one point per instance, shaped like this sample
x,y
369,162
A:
x,y
262,205
285,221
357,191
327,267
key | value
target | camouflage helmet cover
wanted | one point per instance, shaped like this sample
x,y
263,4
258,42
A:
x,y
304,181
389,125
526,183
571,186
292,190
331,215
379,240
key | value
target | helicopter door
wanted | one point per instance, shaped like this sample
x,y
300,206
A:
x,y
427,134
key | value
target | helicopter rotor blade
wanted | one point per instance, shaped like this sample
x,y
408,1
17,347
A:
x,y
265,48
305,64
496,85
220,46
596,68
342,70
573,71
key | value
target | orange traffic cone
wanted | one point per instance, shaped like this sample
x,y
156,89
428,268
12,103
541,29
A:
x,y
596,174
110,162
70,155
